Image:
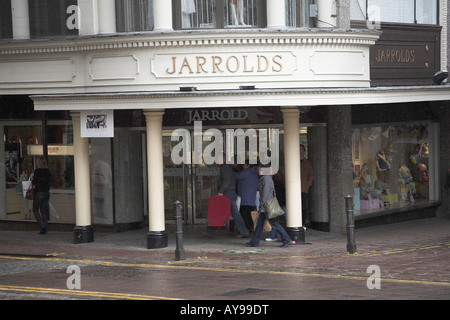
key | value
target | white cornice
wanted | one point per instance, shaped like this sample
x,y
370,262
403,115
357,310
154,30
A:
x,y
238,98
183,39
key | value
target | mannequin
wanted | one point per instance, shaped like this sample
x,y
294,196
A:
x,y
187,8
383,165
237,7
404,178
366,179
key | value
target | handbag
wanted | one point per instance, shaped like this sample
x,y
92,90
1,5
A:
x,y
273,208
29,194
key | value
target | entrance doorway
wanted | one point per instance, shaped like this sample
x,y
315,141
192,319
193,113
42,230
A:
x,y
195,182
192,184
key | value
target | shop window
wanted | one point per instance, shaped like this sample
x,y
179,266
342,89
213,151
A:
x,y
6,21
297,13
134,15
49,18
24,142
392,166
396,11
204,14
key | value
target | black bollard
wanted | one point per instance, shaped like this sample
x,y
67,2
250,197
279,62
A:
x,y
351,245
180,254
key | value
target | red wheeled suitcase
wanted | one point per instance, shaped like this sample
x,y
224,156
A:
x,y
219,209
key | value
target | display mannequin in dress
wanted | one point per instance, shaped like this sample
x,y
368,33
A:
x,y
187,8
237,12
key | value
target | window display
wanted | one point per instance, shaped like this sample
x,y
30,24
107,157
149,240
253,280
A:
x,y
390,166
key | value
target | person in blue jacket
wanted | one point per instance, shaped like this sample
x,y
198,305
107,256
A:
x,y
247,186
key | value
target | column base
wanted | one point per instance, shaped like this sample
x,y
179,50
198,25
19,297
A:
x,y
83,234
157,239
297,234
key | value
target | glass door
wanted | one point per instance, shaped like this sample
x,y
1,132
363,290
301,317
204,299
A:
x,y
190,182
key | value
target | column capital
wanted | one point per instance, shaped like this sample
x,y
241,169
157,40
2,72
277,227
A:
x,y
290,111
75,115
153,114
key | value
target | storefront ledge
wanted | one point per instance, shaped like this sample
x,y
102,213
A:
x,y
25,225
397,214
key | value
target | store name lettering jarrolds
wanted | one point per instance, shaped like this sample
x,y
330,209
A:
x,y
230,64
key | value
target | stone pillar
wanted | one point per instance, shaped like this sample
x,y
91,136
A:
x,y
20,19
317,153
157,236
84,231
327,13
340,171
162,12
107,16
276,14
294,225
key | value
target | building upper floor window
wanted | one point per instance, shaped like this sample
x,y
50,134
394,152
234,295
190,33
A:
x,y
6,20
396,11
297,13
134,15
218,14
49,18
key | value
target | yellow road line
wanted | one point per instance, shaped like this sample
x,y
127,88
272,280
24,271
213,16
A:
x,y
231,270
111,295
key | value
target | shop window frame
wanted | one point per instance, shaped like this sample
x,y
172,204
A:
x,y
220,17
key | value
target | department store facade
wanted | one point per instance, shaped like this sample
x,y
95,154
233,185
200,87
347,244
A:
x,y
101,90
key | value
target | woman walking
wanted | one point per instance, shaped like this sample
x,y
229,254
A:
x,y
266,192
41,182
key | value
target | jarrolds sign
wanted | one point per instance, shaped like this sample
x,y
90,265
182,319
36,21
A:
x,y
230,64
405,55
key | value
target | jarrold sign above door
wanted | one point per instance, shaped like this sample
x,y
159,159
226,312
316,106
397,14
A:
x,y
230,64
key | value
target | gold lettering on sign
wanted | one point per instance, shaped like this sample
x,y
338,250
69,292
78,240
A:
x,y
204,65
396,56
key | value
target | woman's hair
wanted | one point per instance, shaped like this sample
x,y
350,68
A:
x,y
41,162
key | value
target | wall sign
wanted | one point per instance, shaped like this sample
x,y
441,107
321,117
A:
x,y
230,64
405,55
97,124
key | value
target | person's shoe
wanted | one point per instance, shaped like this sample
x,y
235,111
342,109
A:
x,y
287,244
43,231
271,240
206,234
242,235
249,244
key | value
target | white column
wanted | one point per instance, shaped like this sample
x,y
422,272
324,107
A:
x,y
20,19
327,13
276,14
162,12
88,16
294,223
157,236
107,16
83,229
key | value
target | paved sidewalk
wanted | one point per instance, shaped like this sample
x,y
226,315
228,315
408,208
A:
x,y
412,258
133,243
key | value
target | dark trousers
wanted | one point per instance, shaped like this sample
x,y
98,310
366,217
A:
x,y
305,207
41,208
246,213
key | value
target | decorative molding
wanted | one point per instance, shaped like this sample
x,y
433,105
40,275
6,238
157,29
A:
x,y
187,39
